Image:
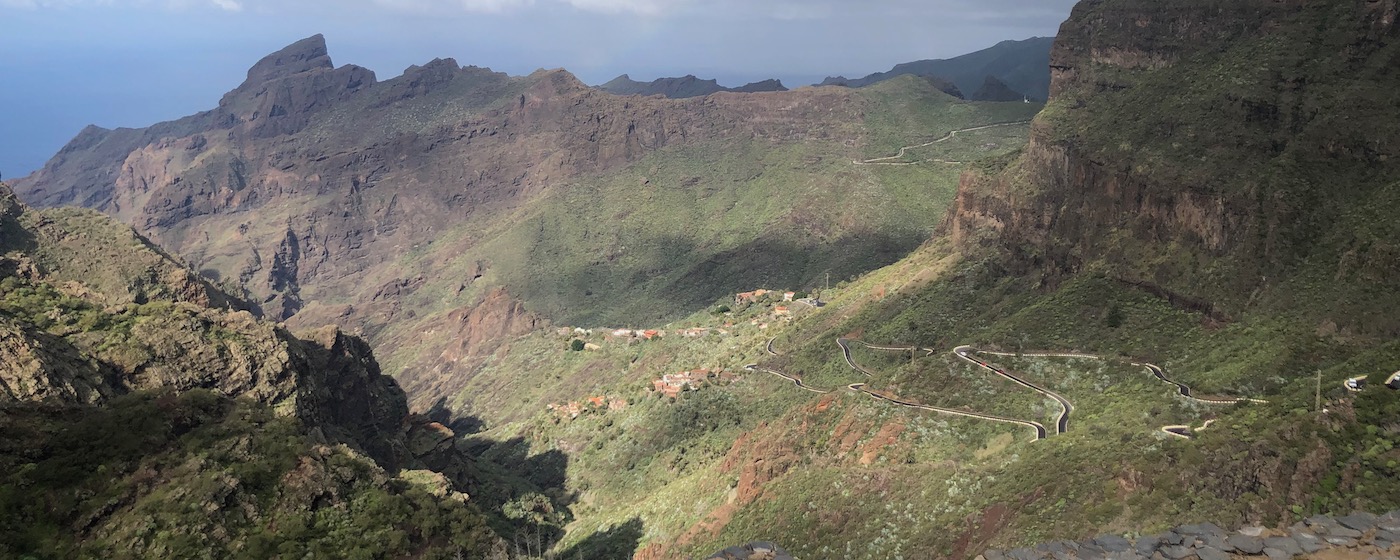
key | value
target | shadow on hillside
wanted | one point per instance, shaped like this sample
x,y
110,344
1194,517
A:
x,y
524,495
618,542
671,276
442,413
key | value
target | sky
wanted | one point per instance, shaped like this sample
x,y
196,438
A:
x,y
65,64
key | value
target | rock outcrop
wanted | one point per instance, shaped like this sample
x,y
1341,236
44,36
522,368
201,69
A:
x,y
125,374
93,311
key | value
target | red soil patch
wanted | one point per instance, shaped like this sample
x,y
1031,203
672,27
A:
x,y
888,435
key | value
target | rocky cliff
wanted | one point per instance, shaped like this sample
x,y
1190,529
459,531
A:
x,y
1201,150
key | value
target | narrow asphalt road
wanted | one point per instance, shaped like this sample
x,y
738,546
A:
x,y
1061,424
1040,432
1186,391
887,160
965,353
794,380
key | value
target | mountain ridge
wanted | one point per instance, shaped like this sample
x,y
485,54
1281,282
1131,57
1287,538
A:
x,y
1021,65
684,87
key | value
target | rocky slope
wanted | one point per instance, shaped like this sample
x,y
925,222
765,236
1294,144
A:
x,y
1019,64
115,354
1231,195
683,87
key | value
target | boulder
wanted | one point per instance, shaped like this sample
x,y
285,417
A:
x,y
1276,554
1208,553
1309,542
1145,546
1024,554
1285,544
1216,542
1246,544
1113,543
1358,521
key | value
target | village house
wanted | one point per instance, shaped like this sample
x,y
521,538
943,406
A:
x,y
750,297
787,296
672,385
569,410
782,311
622,333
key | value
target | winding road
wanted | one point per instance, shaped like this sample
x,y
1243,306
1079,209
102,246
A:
x,y
1061,423
794,380
1040,432
888,159
967,353
1186,391
1183,431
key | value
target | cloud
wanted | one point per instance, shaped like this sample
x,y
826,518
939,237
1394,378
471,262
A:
x,y
639,7
225,5
733,10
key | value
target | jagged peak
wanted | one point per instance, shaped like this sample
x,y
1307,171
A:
x,y
302,56
434,64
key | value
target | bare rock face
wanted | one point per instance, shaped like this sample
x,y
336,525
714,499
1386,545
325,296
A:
x,y
475,333
35,366
285,88
306,55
